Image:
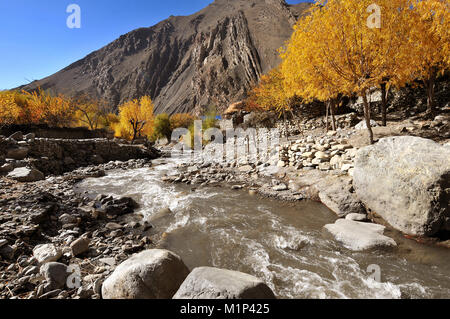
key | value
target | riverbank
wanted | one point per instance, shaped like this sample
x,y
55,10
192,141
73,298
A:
x,y
47,221
321,166
59,222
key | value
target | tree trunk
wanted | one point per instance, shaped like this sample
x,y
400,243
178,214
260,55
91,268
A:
x,y
134,136
367,116
332,110
430,87
285,124
327,105
384,98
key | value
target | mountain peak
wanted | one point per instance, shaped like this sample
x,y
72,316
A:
x,y
185,63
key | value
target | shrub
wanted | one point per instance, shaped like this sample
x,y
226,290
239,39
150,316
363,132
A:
x,y
161,127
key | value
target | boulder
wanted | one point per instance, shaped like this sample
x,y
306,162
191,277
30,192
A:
x,y
67,219
46,253
18,153
26,175
363,125
245,169
336,195
358,236
406,180
118,206
80,246
214,283
151,274
55,274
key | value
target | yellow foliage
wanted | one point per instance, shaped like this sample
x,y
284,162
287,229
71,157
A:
x,y
9,110
181,120
135,119
42,108
430,36
335,51
270,94
92,113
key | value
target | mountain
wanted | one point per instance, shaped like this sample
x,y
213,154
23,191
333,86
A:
x,y
186,63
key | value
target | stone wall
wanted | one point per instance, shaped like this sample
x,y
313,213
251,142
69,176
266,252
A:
x,y
56,156
43,131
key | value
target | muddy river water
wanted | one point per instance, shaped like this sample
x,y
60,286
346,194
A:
x,y
284,244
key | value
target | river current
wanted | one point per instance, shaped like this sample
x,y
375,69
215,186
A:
x,y
284,244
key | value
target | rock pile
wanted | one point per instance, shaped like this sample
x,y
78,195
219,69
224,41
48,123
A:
x,y
325,154
50,234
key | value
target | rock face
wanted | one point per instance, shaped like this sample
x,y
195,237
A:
x,y
186,62
359,236
152,274
213,283
26,175
406,180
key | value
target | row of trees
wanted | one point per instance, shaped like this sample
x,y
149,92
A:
x,y
135,118
40,107
336,51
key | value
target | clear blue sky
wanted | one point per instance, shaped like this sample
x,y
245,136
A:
x,y
35,41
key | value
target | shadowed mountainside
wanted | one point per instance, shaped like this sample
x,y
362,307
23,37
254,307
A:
x,y
185,63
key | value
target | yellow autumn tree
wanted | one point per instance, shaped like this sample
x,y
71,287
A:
x,y
338,49
429,51
43,108
181,120
270,94
135,118
304,73
91,112
9,110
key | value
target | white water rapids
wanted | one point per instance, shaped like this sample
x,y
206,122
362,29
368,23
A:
x,y
283,244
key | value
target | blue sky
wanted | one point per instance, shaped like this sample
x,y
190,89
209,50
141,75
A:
x,y
35,41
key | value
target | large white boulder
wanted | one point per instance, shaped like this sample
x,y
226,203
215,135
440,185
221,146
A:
x,y
151,274
214,283
359,236
26,175
406,180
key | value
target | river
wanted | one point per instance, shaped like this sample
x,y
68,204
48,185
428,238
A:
x,y
284,244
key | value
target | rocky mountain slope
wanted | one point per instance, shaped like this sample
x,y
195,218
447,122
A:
x,y
186,62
